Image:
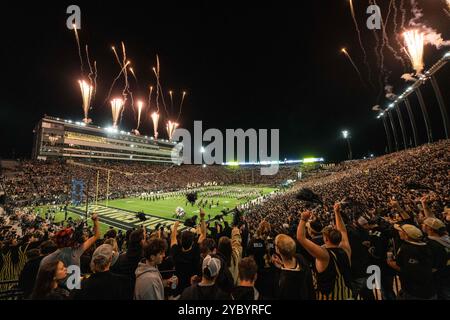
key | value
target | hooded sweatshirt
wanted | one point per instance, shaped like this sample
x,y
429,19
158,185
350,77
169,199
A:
x,y
149,285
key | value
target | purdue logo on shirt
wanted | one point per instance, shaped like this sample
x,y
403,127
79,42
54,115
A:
x,y
413,261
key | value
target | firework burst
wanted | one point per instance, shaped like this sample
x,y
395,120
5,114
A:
x,y
86,95
155,119
116,108
414,47
171,127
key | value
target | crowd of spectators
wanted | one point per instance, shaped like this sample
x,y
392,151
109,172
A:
x,y
37,182
391,212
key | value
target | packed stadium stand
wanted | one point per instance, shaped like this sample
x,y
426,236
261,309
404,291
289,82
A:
x,y
314,241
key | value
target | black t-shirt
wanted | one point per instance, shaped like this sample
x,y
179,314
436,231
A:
x,y
186,264
258,248
360,253
379,238
127,263
245,293
295,284
441,258
105,286
416,263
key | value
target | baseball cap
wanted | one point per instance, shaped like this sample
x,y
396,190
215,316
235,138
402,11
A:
x,y
434,223
412,231
102,254
212,264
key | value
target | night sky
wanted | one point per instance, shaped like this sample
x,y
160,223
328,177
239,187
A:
x,y
253,65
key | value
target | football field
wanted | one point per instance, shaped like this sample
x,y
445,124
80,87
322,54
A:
x,y
121,213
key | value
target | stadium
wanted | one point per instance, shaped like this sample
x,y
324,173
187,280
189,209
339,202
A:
x,y
101,203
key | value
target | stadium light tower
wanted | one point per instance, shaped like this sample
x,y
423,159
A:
x,y
346,136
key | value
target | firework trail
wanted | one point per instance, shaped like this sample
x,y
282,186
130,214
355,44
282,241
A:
x,y
115,79
134,75
137,84
344,51
157,64
386,38
118,76
117,56
171,101
140,106
181,105
95,78
125,71
403,10
126,90
360,42
150,97
159,84
79,47
132,104
162,99
159,90
394,20
402,27
92,73
379,58
394,6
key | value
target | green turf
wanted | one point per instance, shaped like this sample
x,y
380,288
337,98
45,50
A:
x,y
166,208
59,216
